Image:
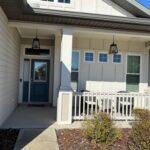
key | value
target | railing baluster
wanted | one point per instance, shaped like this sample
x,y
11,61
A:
x,y
80,106
127,102
100,102
75,109
118,105
92,102
83,102
96,101
88,106
107,104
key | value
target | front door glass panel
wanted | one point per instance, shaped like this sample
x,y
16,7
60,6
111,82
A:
x,y
40,71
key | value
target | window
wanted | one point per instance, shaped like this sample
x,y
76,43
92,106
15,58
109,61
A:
x,y
64,1
133,73
43,52
103,57
59,1
48,0
40,71
89,56
75,71
117,58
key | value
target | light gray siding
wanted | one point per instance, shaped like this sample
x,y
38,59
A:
x,y
9,67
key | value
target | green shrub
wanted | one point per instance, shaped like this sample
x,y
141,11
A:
x,y
100,129
140,135
142,114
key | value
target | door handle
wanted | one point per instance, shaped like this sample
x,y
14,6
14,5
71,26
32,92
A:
x,y
31,80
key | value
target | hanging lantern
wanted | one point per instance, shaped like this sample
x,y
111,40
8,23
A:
x,y
36,43
113,48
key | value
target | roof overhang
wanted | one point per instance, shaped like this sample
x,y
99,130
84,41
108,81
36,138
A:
x,y
134,8
24,12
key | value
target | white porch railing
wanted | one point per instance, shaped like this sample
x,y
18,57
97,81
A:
x,y
118,105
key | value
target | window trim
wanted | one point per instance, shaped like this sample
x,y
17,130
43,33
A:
x,y
78,51
47,4
93,56
140,73
107,57
62,2
79,61
119,63
56,1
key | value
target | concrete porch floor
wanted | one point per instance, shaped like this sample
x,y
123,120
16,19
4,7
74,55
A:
x,y
26,116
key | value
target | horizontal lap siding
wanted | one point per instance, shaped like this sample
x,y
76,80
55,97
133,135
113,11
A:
x,y
9,67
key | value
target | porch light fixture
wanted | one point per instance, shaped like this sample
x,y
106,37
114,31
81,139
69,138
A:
x,y
36,43
113,48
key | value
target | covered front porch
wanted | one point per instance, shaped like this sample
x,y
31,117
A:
x,y
80,61
96,81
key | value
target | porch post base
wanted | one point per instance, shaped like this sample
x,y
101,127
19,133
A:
x,y
64,107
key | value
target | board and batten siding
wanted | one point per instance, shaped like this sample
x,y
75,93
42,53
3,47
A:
x,y
103,7
109,77
9,67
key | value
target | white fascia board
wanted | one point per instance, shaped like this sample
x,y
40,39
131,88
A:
x,y
57,29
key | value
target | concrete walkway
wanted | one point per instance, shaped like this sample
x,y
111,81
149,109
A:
x,y
30,117
37,139
38,126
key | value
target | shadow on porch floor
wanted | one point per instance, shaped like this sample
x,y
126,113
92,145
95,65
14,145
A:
x,y
31,117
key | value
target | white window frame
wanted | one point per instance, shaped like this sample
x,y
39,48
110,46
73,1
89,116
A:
x,y
50,5
118,62
140,73
78,69
85,57
56,1
47,4
107,57
63,2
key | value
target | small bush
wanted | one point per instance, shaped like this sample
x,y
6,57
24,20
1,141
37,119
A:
x,y
140,136
142,114
100,129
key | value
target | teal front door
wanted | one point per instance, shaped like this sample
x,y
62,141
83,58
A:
x,y
39,85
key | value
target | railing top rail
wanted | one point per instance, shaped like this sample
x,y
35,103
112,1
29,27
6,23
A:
x,y
109,93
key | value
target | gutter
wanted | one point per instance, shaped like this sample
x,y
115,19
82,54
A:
x,y
97,17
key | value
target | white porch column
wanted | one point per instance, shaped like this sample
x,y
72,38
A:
x,y
65,58
64,103
56,83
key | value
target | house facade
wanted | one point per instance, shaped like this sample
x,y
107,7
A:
x,y
75,37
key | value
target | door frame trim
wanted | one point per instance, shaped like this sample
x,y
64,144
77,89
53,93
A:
x,y
30,77
30,57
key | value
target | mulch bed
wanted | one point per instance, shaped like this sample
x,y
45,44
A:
x,y
8,139
74,139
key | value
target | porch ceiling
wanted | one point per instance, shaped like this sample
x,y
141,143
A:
x,y
31,33
109,36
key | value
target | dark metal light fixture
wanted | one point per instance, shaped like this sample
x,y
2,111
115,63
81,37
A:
x,y
36,43
113,48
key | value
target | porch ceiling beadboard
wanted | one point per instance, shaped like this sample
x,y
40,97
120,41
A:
x,y
15,10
